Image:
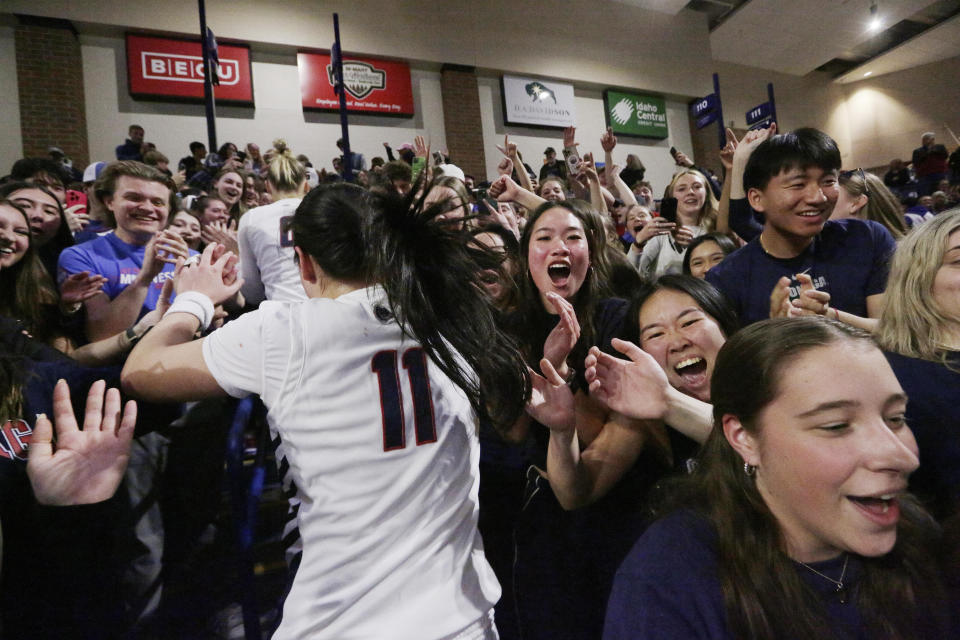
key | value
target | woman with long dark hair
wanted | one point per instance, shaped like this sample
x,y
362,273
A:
x,y
48,222
795,523
579,518
27,292
373,390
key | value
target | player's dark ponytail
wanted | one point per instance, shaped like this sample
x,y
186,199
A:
x,y
431,275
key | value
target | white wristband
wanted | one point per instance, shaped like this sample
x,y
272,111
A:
x,y
196,304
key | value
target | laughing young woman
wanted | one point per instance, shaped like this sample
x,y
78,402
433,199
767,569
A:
x,y
696,215
795,523
578,519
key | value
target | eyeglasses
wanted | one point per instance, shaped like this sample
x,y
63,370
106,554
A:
x,y
846,175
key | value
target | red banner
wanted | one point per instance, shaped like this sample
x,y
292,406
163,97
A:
x,y
168,68
373,85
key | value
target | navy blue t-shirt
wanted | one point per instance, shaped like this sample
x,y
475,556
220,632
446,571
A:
x,y
933,414
669,586
848,259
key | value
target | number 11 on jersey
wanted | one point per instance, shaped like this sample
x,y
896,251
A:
x,y
384,364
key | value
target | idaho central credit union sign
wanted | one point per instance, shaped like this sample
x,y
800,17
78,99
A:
x,y
172,69
373,85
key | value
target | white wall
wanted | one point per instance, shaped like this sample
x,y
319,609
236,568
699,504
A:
x,y
600,42
591,125
887,115
277,112
593,45
11,142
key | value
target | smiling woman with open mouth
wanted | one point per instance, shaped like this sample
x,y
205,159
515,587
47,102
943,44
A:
x,y
588,474
795,522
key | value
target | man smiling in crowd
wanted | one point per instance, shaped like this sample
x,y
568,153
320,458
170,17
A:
x,y
836,268
137,257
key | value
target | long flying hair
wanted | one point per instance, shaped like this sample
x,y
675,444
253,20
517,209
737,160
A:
x,y
432,284
431,276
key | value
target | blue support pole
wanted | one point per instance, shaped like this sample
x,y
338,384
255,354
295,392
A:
x,y
773,105
208,98
722,127
344,128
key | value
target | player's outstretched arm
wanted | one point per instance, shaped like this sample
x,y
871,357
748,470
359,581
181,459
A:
x,y
168,365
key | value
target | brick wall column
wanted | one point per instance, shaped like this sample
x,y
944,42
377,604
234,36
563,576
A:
x,y
50,79
461,119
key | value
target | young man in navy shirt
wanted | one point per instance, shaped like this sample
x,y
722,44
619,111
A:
x,y
802,262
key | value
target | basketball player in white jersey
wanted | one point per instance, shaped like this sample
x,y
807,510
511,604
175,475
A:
x,y
266,246
377,425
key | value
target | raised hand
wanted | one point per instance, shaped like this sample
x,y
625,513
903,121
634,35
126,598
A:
x,y
569,137
780,306
179,178
164,247
809,302
561,340
504,215
221,233
504,189
214,275
745,148
588,169
80,286
509,149
551,401
683,235
608,141
726,154
654,227
683,159
84,467
420,147
637,388
77,217
505,166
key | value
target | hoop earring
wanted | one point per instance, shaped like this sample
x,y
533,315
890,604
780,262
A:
x,y
749,469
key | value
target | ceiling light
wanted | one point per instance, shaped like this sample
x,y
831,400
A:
x,y
874,18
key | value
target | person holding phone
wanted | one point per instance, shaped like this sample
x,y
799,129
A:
x,y
688,210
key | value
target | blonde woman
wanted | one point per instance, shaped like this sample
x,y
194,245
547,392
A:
x,y
267,258
863,195
920,331
696,215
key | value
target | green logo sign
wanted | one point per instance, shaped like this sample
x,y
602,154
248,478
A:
x,y
636,115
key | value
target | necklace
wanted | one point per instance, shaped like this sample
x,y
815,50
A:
x,y
841,592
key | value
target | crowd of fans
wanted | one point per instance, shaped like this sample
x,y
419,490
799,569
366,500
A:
x,y
729,411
